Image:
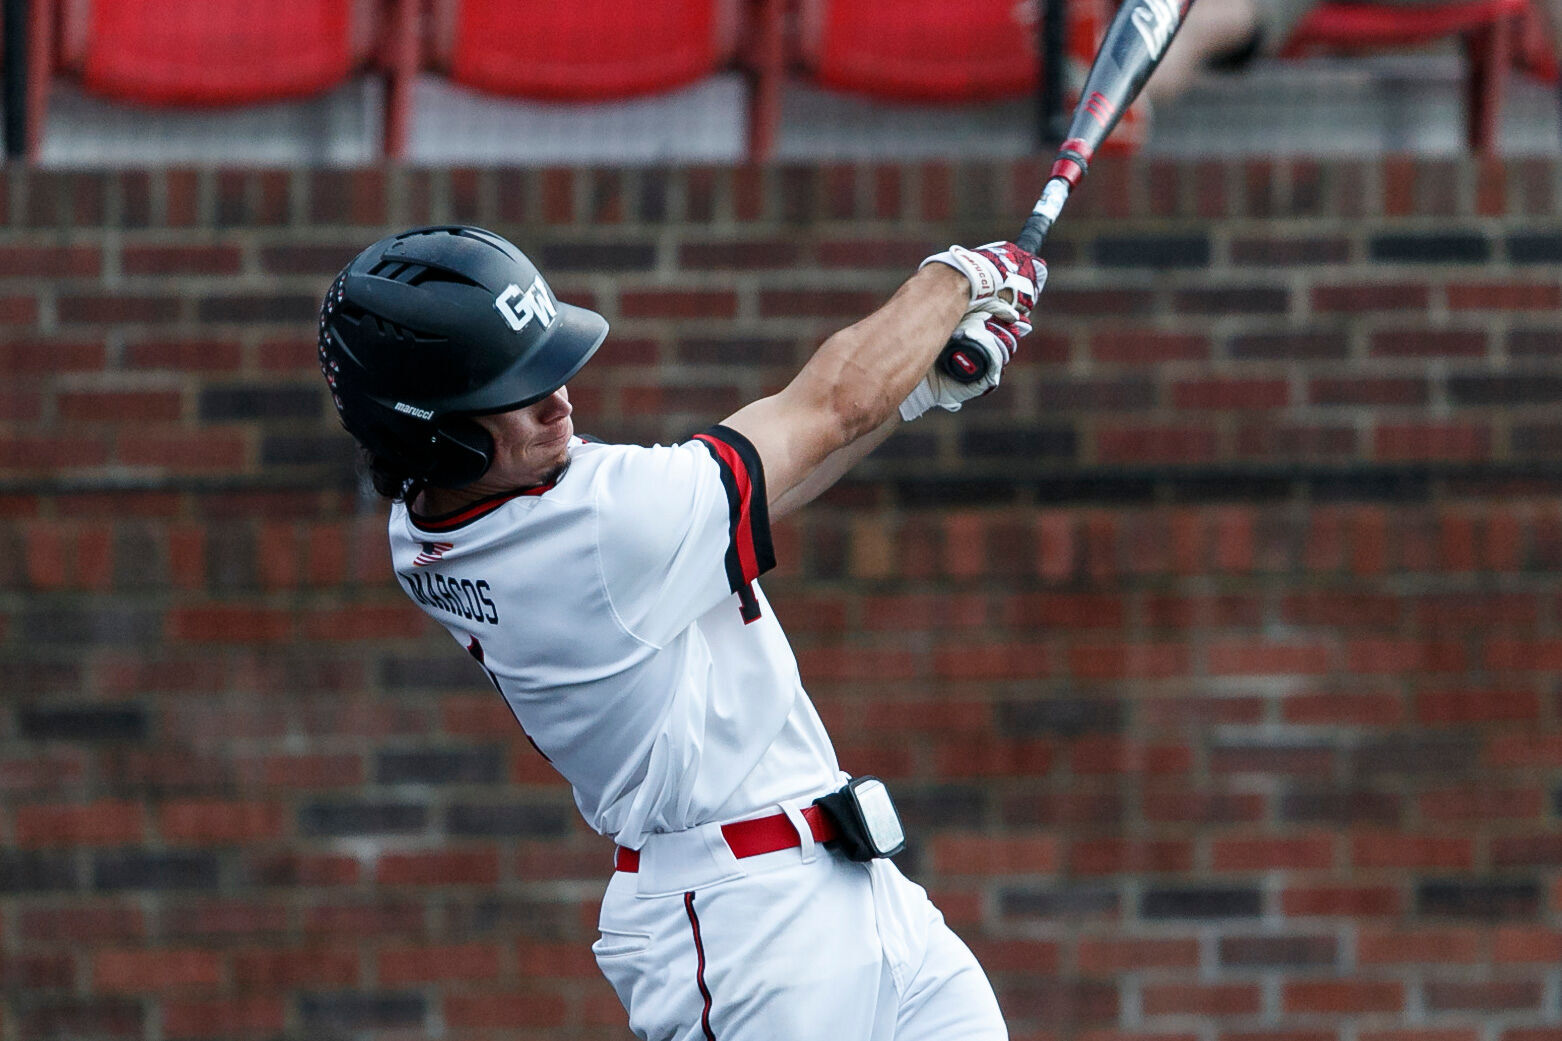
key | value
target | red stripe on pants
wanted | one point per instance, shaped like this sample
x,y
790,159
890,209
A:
x,y
699,949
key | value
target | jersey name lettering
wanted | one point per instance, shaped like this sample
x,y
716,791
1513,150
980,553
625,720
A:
x,y
461,597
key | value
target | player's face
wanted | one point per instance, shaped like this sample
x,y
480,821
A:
x,y
531,444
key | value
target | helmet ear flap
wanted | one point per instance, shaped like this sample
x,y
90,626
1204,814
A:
x,y
463,451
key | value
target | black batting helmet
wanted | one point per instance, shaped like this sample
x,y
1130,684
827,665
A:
x,y
429,327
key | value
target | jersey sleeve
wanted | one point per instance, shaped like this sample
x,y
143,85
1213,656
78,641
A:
x,y
682,528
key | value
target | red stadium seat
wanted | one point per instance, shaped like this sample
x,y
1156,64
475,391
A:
x,y
581,51
550,50
949,51
1497,35
921,50
198,53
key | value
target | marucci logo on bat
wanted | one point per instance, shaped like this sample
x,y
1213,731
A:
x,y
1156,21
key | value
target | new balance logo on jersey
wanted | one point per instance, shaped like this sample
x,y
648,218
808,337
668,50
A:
x,y
432,551
520,307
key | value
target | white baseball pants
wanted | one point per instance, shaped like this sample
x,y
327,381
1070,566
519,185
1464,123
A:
x,y
796,945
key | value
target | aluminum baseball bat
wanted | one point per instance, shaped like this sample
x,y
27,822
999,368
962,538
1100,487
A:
x,y
1133,46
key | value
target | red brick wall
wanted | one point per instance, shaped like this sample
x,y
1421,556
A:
x,y
1214,659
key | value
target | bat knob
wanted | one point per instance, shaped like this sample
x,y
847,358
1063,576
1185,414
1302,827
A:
x,y
963,361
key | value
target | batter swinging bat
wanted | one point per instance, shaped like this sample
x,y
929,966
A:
x,y
1130,51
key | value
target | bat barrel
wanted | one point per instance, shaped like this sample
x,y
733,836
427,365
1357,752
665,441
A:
x,y
1133,46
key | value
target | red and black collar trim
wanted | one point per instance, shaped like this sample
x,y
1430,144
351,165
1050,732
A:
x,y
472,511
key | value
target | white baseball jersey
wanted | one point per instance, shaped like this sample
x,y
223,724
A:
x,y
617,611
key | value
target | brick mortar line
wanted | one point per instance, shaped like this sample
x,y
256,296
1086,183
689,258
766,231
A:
x,y
1242,182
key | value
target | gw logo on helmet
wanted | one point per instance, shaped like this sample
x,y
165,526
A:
x,y
534,302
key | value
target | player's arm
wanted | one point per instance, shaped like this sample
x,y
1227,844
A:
x,y
854,382
834,467
839,405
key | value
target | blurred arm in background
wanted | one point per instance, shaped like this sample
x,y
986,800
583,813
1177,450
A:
x,y
1229,33
1218,32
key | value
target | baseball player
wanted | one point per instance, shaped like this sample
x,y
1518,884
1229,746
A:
x,y
610,593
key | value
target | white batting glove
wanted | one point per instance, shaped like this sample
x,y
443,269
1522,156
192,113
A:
x,y
1005,279
997,339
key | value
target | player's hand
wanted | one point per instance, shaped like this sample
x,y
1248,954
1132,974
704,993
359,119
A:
x,y
995,337
1005,279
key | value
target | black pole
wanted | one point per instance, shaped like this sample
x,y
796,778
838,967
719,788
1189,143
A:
x,y
1051,33
13,82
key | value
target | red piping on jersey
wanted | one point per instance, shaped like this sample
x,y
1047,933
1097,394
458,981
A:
x,y
468,514
699,976
743,537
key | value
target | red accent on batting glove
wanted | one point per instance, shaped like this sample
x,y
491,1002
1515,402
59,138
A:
x,y
1013,261
1008,334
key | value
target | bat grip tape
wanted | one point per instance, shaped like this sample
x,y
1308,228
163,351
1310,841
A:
x,y
1034,233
